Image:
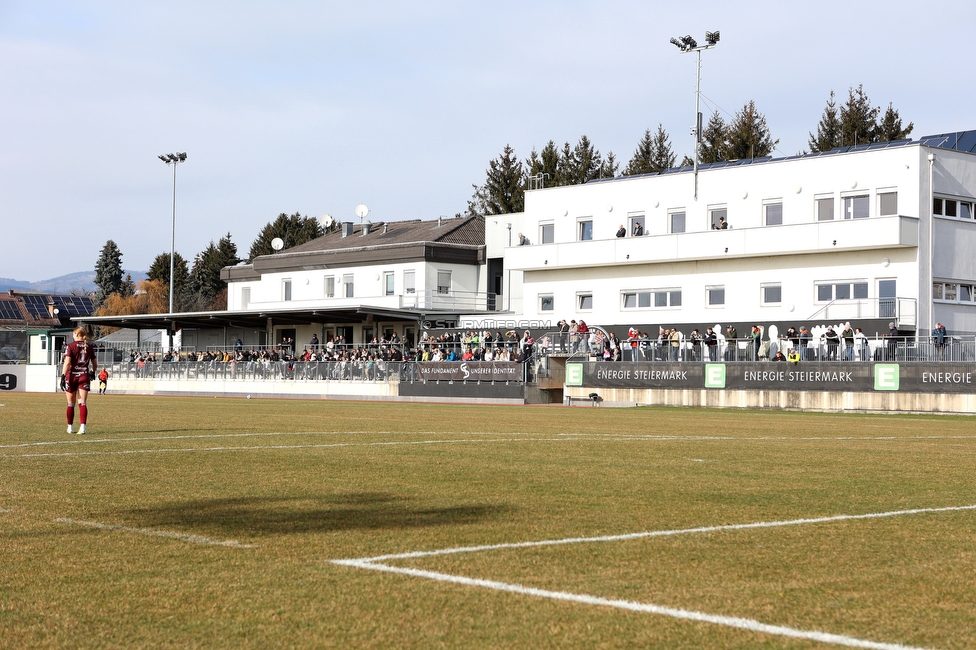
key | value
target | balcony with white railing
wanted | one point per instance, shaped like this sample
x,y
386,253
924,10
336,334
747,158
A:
x,y
903,311
454,301
793,239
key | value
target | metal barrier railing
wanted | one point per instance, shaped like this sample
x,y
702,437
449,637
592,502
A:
x,y
359,370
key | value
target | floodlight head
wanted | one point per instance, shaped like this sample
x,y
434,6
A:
x,y
182,156
163,158
689,42
712,37
674,42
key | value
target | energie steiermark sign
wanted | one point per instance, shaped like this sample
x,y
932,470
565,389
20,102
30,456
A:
x,y
853,377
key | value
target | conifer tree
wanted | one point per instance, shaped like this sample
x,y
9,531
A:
x,y
858,118
504,184
292,229
890,127
747,136
545,165
713,146
159,272
828,129
108,272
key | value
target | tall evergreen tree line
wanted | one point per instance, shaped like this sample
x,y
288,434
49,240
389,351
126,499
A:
x,y
745,136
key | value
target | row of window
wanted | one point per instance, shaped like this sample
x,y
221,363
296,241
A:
x,y
852,206
952,208
348,290
953,292
771,294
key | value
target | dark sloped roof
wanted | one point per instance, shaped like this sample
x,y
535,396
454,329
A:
x,y
458,240
28,309
464,231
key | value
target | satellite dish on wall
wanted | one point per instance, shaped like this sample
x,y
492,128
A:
x,y
277,243
326,220
362,210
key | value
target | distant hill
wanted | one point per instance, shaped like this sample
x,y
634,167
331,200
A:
x,y
83,282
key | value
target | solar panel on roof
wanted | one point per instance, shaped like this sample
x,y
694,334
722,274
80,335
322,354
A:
x,y
36,306
9,310
73,305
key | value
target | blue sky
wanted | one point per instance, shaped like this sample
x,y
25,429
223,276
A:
x,y
316,107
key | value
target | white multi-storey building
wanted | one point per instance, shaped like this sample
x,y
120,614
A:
x,y
871,235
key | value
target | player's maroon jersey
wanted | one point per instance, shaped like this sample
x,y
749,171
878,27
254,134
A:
x,y
80,353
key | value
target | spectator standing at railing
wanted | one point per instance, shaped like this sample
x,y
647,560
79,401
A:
x,y
314,342
939,337
892,342
584,336
832,339
848,336
633,340
696,341
674,337
563,328
711,342
621,232
805,338
756,338
573,335
731,336
861,343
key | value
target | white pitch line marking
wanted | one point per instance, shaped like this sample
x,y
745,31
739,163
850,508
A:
x,y
728,621
193,539
373,564
129,452
663,533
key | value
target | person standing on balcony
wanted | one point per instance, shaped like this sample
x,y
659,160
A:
x,y
939,337
621,232
848,336
892,342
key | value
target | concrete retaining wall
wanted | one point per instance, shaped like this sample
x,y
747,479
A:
x,y
888,402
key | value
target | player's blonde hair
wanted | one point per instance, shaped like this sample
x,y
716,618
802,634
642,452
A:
x,y
80,334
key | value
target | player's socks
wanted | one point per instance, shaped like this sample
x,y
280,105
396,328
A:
x,y
83,413
71,414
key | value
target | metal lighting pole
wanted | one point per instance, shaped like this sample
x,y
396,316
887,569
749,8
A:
x,y
688,44
173,159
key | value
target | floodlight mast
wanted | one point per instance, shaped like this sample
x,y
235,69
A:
x,y
688,44
173,159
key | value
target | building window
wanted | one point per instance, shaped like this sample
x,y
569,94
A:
x,y
887,204
842,291
719,217
676,222
546,302
409,282
953,292
655,297
773,214
952,208
857,207
348,290
388,283
585,229
547,233
636,225
715,296
825,208
330,286
584,302
245,297
443,282
286,290
772,294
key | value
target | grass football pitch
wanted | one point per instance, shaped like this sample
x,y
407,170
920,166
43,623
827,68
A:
x,y
182,522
